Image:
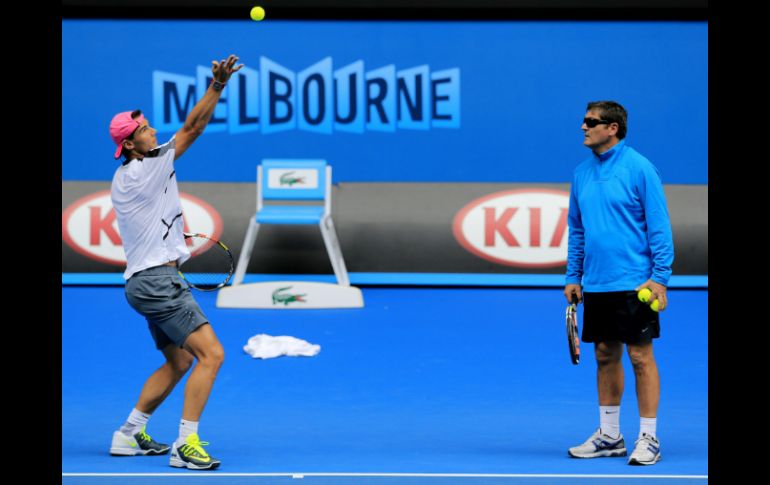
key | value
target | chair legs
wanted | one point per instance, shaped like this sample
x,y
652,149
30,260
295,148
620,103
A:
x,y
248,246
330,241
333,249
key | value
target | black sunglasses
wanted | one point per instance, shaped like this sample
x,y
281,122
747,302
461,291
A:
x,y
593,122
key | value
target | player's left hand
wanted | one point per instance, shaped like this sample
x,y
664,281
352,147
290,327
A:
x,y
658,293
223,69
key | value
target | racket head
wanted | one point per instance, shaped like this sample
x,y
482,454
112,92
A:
x,y
573,336
220,259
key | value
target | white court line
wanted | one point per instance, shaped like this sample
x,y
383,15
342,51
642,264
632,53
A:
x,y
429,475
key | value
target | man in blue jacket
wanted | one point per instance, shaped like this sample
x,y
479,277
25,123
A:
x,y
619,242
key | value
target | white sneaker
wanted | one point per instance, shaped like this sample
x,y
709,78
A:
x,y
139,444
599,444
646,451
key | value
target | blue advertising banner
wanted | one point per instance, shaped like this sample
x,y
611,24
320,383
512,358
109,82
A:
x,y
390,101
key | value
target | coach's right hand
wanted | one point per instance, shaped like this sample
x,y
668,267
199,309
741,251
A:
x,y
573,289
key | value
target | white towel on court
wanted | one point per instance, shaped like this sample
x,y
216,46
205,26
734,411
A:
x,y
265,346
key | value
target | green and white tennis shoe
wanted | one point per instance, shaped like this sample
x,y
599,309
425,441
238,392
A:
x,y
139,444
192,455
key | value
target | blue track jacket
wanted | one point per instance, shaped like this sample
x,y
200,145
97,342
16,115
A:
x,y
619,228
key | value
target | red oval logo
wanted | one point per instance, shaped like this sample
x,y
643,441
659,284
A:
x,y
526,228
89,226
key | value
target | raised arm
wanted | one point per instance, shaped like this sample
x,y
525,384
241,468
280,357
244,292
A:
x,y
201,113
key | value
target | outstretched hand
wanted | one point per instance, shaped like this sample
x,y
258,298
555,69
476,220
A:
x,y
223,69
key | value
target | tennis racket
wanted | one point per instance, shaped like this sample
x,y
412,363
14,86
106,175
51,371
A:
x,y
220,259
573,337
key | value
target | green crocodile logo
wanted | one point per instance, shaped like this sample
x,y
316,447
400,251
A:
x,y
287,179
286,298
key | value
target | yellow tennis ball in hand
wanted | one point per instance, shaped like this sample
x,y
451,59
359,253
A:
x,y
644,295
655,305
257,13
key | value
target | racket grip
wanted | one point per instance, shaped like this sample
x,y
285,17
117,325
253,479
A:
x,y
574,299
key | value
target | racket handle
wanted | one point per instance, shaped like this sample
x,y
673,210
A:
x,y
574,299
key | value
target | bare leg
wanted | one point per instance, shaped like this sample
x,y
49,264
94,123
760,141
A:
x,y
205,346
647,379
609,372
159,385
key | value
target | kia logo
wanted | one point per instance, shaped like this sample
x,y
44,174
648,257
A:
x,y
526,228
90,227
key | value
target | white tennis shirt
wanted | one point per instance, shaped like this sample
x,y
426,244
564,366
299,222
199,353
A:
x,y
149,213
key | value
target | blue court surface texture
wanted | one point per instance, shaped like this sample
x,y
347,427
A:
x,y
422,385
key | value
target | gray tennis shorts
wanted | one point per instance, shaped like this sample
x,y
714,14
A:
x,y
161,296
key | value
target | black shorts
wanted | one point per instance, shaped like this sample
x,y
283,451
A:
x,y
618,316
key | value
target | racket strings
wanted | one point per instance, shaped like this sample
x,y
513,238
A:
x,y
216,256
572,334
207,281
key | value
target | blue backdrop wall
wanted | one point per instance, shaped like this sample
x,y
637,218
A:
x,y
422,101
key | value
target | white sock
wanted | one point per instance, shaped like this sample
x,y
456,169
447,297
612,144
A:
x,y
609,420
648,426
136,420
186,428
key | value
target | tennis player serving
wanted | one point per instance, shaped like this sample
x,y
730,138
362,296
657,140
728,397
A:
x,y
149,214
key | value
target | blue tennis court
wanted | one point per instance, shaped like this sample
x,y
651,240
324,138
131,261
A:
x,y
422,385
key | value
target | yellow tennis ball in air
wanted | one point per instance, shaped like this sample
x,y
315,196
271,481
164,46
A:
x,y
655,305
644,295
257,13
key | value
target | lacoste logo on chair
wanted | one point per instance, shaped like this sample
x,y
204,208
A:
x,y
287,179
286,298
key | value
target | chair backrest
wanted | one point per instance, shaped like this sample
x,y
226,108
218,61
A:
x,y
293,179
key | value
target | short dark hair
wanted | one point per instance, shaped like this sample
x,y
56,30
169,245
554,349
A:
x,y
134,115
612,112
